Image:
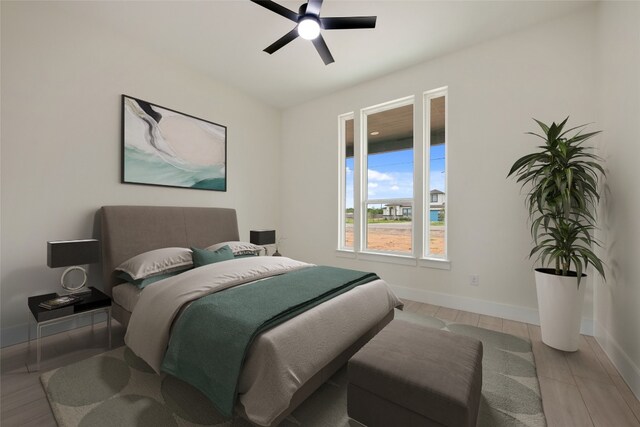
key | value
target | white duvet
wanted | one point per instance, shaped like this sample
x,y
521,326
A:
x,y
281,359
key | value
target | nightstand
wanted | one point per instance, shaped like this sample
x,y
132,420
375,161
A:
x,y
93,303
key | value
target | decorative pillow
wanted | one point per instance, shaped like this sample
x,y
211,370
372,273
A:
x,y
142,283
238,248
159,261
204,256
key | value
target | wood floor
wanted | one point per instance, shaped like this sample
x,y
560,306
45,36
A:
x,y
578,389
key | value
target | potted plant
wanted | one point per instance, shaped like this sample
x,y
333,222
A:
x,y
562,178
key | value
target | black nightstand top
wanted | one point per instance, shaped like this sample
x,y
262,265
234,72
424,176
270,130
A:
x,y
96,299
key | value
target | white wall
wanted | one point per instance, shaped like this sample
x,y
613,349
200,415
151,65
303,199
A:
x,y
61,86
495,88
617,303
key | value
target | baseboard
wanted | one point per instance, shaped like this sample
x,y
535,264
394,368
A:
x,y
18,333
620,359
489,308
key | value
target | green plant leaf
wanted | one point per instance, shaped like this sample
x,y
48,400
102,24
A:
x,y
560,180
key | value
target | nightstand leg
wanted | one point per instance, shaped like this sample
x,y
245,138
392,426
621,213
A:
x,y
109,326
29,333
38,349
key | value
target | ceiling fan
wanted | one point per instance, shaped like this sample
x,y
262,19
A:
x,y
309,23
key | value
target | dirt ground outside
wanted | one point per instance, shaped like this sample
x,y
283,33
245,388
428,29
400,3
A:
x,y
396,237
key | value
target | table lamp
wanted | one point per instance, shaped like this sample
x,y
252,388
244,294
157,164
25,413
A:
x,y
72,254
262,238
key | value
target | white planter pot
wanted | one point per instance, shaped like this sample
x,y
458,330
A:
x,y
560,303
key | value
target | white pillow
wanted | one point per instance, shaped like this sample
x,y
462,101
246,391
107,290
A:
x,y
238,248
159,261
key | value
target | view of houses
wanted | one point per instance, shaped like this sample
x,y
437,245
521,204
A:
x,y
389,226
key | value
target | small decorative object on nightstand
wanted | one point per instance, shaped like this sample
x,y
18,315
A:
x,y
91,303
263,238
65,253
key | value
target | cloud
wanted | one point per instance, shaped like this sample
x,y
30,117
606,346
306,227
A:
x,y
373,184
348,170
374,175
394,188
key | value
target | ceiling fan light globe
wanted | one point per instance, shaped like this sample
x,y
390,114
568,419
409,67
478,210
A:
x,y
308,28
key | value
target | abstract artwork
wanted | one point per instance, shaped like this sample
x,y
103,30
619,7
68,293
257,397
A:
x,y
163,147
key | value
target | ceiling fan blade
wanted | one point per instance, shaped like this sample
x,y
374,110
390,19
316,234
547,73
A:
x,y
282,41
313,7
280,10
323,50
348,22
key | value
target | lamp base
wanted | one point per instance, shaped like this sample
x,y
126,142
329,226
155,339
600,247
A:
x,y
73,284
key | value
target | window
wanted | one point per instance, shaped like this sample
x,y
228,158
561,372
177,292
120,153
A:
x,y
346,182
435,225
380,210
388,149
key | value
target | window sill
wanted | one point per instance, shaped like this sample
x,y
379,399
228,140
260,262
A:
x,y
346,253
437,263
387,257
440,264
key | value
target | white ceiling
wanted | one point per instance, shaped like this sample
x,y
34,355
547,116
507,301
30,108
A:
x,y
225,38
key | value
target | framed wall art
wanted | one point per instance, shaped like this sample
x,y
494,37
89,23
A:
x,y
164,147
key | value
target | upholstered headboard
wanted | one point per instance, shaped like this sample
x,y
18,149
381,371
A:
x,y
130,230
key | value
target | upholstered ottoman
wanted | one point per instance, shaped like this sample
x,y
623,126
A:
x,y
412,375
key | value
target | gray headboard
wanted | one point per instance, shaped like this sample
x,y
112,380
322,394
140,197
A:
x,y
130,230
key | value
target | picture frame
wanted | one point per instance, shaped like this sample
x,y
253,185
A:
x,y
167,148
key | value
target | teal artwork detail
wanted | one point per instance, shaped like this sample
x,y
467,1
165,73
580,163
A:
x,y
210,358
168,148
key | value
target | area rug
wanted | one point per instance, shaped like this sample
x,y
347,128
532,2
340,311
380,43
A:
x,y
119,389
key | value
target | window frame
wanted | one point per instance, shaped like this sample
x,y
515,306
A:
x,y
421,200
364,200
342,183
426,169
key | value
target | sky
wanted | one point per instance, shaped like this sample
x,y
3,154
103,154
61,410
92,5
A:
x,y
391,174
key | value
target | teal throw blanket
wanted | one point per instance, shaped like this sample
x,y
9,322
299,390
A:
x,y
211,338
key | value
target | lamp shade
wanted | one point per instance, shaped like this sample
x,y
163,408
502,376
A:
x,y
63,253
262,237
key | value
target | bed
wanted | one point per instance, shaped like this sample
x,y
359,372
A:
x,y
273,381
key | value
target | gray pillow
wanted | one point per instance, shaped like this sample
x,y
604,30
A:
x,y
238,248
159,261
142,283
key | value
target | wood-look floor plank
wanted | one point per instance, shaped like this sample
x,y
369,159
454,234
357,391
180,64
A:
x,y
446,313
550,363
584,363
17,379
410,306
490,322
27,414
563,404
605,404
513,327
627,395
13,357
428,309
467,318
22,397
602,356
